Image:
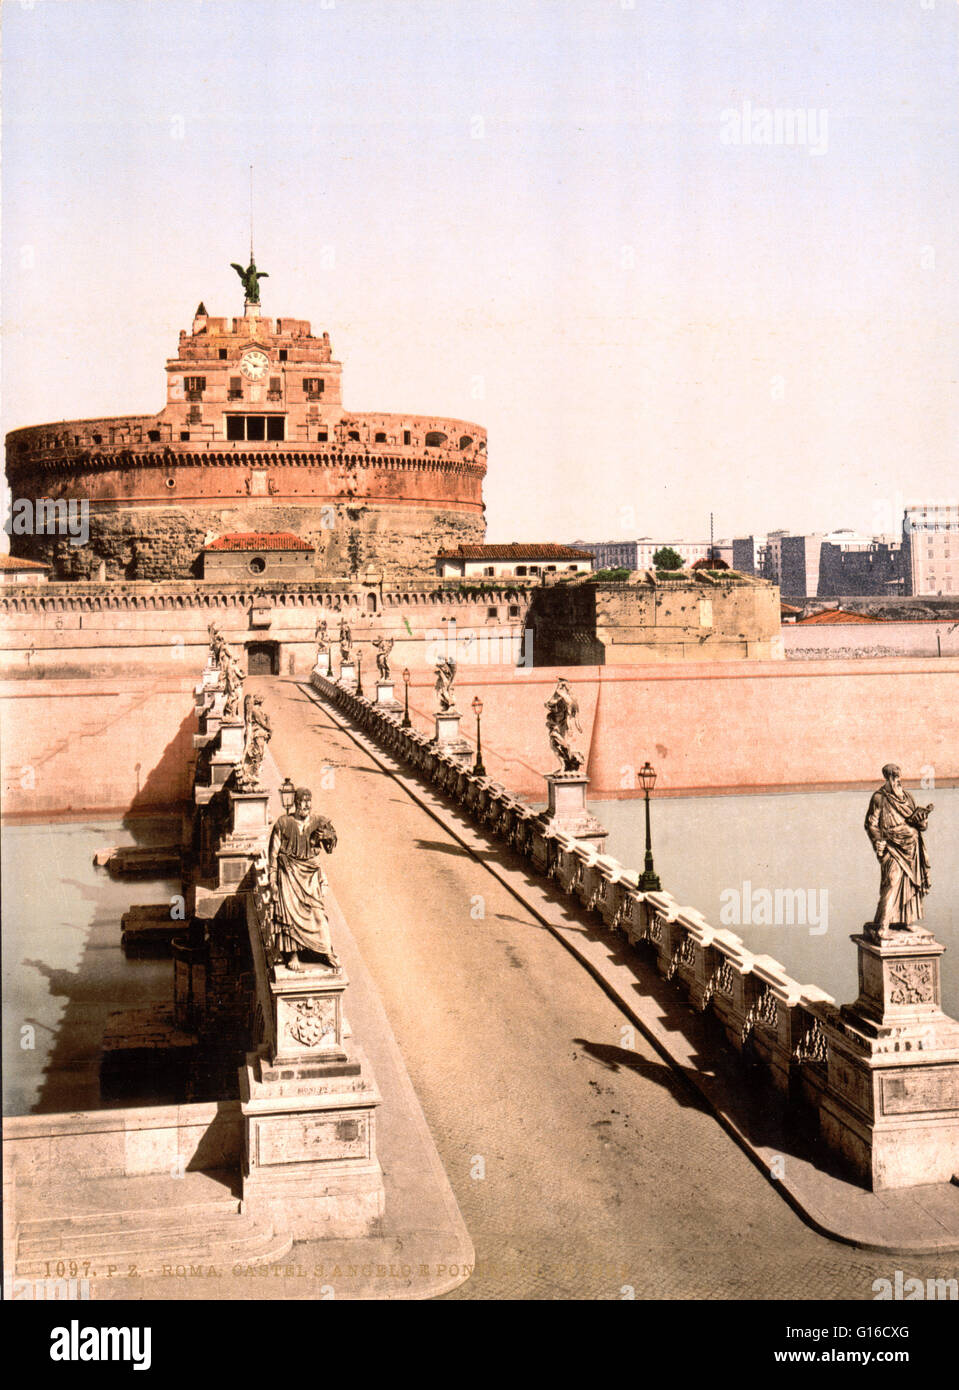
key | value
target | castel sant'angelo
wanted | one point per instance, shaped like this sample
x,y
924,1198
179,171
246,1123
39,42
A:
x,y
254,437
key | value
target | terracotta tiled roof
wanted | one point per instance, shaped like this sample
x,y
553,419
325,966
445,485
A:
x,y
9,563
260,540
515,551
789,608
835,615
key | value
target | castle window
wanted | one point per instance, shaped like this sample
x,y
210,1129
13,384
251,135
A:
x,y
222,354
435,439
313,386
153,436
514,610
235,392
407,437
256,427
380,438
257,564
195,384
283,351
275,392
185,436
323,436
354,434
489,571
492,612
521,570
465,441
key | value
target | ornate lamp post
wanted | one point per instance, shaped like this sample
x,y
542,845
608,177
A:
x,y
406,698
359,672
649,879
287,794
478,769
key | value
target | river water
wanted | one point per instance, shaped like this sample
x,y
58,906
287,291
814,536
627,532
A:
x,y
706,848
64,972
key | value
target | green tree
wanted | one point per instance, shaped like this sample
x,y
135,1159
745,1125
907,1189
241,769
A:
x,y
666,558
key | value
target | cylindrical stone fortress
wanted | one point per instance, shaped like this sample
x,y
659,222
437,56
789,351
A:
x,y
254,437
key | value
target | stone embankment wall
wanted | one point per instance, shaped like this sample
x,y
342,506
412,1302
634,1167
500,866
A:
x,y
733,726
116,745
827,641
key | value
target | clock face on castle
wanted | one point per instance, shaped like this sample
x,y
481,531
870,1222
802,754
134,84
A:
x,y
254,364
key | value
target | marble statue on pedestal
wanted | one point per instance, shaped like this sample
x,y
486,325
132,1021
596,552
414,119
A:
x,y
322,641
562,709
383,646
346,640
216,643
895,826
298,883
233,677
258,733
445,676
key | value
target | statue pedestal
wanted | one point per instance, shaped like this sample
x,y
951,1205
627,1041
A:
x,y
323,665
347,674
232,738
385,697
237,855
567,811
891,1105
249,812
447,739
221,765
308,1100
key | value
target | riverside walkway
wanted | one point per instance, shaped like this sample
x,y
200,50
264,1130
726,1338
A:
x,y
583,1166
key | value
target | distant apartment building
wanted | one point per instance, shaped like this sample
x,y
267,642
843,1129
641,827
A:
x,y
747,554
638,554
860,567
824,564
930,545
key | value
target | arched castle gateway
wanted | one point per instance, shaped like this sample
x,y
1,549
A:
x,y
253,437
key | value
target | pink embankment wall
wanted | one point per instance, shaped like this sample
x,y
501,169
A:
x,y
723,725
126,745
96,745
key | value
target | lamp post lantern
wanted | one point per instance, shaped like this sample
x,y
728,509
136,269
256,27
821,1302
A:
x,y
406,698
478,769
287,794
649,879
359,672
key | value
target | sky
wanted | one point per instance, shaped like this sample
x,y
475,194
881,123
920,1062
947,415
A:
x,y
575,222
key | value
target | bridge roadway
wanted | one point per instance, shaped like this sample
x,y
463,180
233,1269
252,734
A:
x,y
584,1167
